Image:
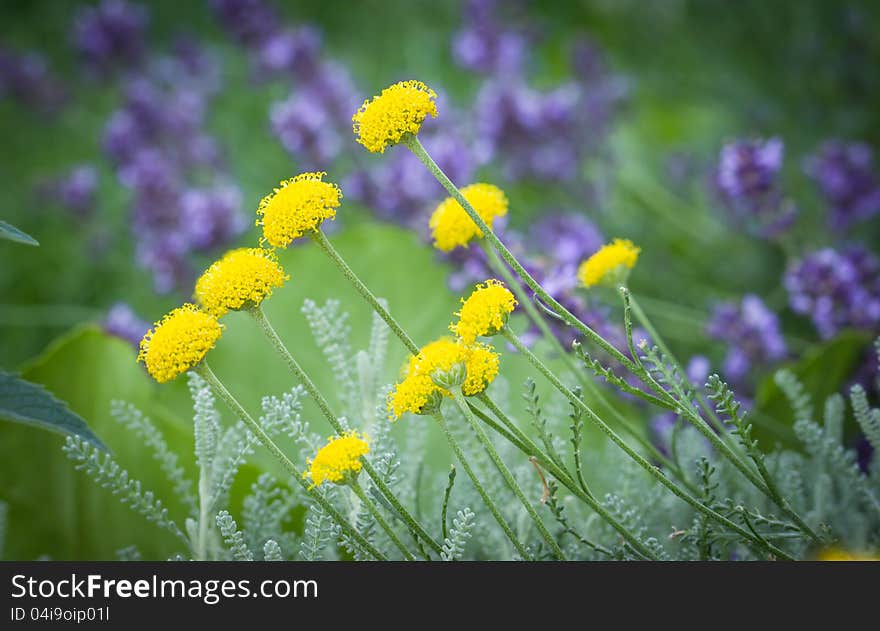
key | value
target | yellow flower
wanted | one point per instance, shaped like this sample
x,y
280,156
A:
x,y
485,312
338,459
417,390
297,207
243,278
838,554
180,341
451,226
610,265
400,109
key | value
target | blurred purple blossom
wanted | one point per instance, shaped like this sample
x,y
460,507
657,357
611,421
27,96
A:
x,y
25,78
836,289
121,321
111,34
74,190
747,181
484,45
294,52
848,181
752,334
249,22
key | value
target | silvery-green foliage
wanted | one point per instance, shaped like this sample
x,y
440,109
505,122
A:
x,y
141,426
318,532
233,537
331,331
272,551
128,553
459,533
264,512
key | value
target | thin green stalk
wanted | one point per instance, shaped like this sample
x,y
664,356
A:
x,y
412,142
204,508
205,372
505,472
374,511
324,406
321,239
490,504
565,479
652,470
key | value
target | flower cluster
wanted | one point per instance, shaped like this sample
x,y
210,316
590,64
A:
x,y
847,178
297,207
26,79
610,264
243,278
450,225
836,289
74,190
752,334
338,460
162,153
400,109
473,367
485,312
111,34
179,342
747,181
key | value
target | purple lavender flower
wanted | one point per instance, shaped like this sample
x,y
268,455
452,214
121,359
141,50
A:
x,y
249,22
747,183
836,289
847,179
211,217
121,321
566,237
74,190
752,334
110,34
26,79
295,52
483,45
306,131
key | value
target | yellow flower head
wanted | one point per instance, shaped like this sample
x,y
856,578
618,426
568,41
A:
x,y
243,278
610,265
400,109
839,554
417,389
451,226
180,341
485,311
338,459
298,206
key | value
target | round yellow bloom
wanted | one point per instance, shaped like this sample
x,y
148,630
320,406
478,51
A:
x,y
610,265
400,109
243,278
451,226
338,459
297,207
416,390
485,312
180,341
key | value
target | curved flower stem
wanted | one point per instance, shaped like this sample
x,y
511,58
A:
x,y
487,500
374,511
647,466
760,479
321,239
324,406
568,482
205,372
505,472
412,142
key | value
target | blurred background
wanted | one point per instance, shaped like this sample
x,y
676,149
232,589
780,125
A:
x,y
734,142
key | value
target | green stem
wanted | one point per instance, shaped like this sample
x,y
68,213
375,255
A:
x,y
324,406
412,142
505,472
647,466
205,372
374,511
490,504
565,479
321,239
204,508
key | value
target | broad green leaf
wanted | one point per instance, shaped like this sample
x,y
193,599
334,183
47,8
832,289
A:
x,y
32,404
823,370
11,233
